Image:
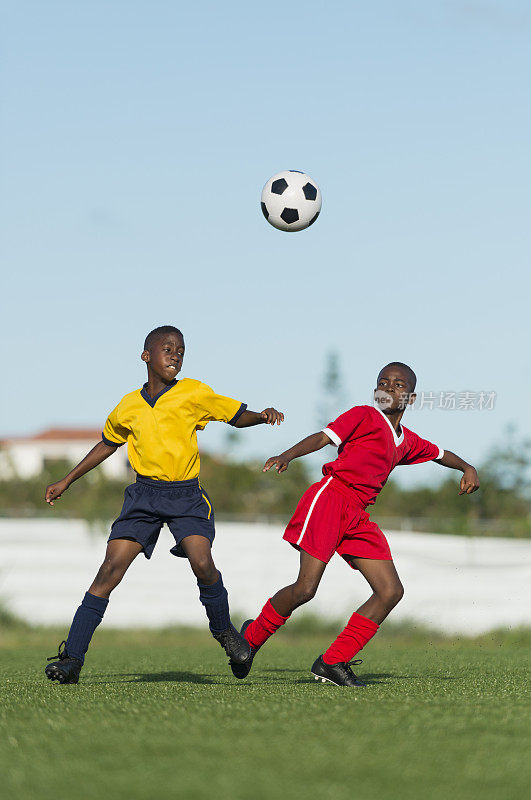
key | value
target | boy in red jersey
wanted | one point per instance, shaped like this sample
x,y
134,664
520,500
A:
x,y
331,518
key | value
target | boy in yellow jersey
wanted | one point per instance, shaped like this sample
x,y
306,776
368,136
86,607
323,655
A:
x,y
159,423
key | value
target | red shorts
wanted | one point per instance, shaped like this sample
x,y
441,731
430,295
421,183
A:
x,y
328,520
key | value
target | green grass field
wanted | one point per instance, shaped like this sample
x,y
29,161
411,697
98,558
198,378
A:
x,y
158,714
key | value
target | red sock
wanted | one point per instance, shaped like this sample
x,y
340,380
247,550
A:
x,y
352,638
267,622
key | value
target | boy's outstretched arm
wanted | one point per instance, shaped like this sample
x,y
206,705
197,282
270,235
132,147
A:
x,y
250,418
308,445
470,480
98,454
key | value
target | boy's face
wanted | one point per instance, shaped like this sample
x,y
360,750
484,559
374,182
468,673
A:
x,y
164,359
393,392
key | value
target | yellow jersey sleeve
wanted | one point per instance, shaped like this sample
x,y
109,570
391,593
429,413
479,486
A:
x,y
115,434
211,406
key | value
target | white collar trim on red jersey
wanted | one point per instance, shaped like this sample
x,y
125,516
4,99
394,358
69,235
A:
x,y
397,439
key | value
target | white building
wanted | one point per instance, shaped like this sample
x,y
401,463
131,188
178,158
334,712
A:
x,y
26,456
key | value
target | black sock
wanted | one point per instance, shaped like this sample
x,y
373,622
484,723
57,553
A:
x,y
86,620
216,602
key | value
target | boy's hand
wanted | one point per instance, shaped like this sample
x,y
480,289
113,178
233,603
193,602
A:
x,y
55,490
281,463
271,415
469,481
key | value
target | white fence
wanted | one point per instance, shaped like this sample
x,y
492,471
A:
x,y
454,583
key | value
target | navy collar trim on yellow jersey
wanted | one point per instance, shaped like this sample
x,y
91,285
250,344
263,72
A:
x,y
152,400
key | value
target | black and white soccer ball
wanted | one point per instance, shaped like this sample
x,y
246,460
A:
x,y
291,201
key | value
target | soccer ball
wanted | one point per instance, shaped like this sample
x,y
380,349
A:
x,y
291,201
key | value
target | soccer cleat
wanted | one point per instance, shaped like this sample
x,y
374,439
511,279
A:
x,y
242,670
236,647
338,674
65,669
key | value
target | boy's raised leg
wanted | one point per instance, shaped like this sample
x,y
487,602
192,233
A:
x,y
67,665
214,597
333,665
279,608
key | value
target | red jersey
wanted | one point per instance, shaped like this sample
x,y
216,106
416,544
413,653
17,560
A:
x,y
369,448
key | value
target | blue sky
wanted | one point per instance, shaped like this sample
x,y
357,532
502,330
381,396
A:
x,y
135,140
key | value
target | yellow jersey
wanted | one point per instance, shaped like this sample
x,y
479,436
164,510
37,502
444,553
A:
x,y
161,431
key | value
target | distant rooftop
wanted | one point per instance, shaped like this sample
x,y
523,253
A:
x,y
58,434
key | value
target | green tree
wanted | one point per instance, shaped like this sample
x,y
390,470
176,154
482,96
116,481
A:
x,y
505,480
241,489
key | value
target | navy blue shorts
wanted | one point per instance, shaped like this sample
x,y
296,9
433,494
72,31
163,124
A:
x,y
183,505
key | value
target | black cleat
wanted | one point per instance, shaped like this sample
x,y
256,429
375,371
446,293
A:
x,y
242,670
236,647
338,674
65,669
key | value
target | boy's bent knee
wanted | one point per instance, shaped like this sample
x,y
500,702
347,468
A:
x,y
304,592
110,573
392,595
204,568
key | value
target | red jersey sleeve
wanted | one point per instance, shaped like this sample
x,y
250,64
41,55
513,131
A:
x,y
345,425
419,450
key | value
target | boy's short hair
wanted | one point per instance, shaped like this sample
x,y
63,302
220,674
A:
x,y
160,331
412,378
